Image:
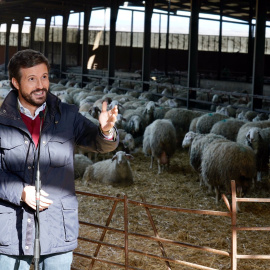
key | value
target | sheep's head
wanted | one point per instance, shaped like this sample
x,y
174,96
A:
x,y
188,139
122,157
253,135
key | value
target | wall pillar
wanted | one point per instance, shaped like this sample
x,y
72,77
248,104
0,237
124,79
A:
x,y
63,65
146,62
258,60
193,49
111,54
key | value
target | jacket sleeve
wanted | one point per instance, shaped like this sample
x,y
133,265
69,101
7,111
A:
x,y
11,188
12,166
88,136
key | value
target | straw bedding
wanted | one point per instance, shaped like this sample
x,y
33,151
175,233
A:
x,y
178,187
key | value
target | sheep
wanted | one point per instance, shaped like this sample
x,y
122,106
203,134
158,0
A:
x,y
188,139
260,117
133,104
250,115
128,143
247,115
259,139
160,112
193,123
80,164
66,98
228,110
86,106
115,171
79,96
216,99
148,112
241,136
206,122
135,123
94,111
226,161
228,128
172,103
181,119
197,143
159,141
90,117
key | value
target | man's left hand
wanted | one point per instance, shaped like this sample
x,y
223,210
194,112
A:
x,y
107,119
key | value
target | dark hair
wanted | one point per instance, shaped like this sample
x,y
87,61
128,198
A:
x,y
25,59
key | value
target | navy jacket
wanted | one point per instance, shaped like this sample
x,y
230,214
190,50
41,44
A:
x,y
63,128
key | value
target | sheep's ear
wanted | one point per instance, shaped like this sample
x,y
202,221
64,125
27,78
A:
x,y
130,157
114,157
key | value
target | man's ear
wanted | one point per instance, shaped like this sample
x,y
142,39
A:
x,y
15,83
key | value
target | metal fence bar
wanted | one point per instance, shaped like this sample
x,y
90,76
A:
x,y
104,232
253,228
156,238
183,210
105,261
126,230
234,232
232,214
253,200
168,241
256,257
197,266
156,234
235,228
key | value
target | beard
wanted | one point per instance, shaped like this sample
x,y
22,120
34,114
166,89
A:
x,y
35,101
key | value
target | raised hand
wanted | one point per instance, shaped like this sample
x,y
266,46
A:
x,y
107,119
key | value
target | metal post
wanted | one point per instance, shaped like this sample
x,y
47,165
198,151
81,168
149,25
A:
x,y
234,231
111,64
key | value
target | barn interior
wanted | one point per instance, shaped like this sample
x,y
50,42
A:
x,y
188,71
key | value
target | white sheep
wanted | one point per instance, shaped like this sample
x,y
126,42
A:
x,y
181,119
229,110
115,171
197,143
228,128
241,136
188,139
206,122
193,123
226,161
259,140
80,164
159,141
134,123
128,143
260,117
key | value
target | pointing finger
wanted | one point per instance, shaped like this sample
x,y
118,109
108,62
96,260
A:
x,y
104,106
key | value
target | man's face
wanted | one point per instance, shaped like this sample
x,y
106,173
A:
x,y
33,86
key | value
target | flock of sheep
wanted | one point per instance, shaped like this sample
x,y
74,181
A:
x,y
226,144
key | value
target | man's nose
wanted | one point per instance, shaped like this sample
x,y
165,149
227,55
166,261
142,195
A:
x,y
40,84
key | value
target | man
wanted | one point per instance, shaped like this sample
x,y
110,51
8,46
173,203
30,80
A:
x,y
62,127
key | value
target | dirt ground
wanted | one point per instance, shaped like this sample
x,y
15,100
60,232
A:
x,y
178,187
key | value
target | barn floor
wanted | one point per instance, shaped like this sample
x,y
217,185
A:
x,y
178,187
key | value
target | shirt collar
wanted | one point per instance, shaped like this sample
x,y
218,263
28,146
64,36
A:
x,y
26,112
